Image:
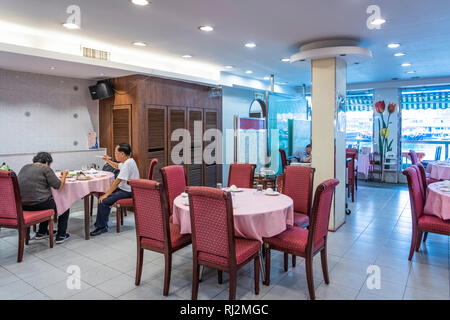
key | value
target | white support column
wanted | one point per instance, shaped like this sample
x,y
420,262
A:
x,y
329,81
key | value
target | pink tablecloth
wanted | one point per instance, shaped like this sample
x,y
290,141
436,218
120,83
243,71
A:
x,y
75,190
439,170
363,164
438,201
256,215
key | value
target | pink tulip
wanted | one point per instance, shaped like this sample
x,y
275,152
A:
x,y
391,107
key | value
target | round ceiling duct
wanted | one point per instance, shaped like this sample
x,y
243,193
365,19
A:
x,y
348,50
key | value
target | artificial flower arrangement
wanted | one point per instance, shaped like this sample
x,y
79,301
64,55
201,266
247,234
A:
x,y
385,145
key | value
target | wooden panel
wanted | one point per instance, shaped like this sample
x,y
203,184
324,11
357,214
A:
x,y
156,127
121,125
211,175
195,116
176,120
161,156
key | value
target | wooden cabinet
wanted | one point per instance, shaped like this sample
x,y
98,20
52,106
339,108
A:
x,y
211,171
147,111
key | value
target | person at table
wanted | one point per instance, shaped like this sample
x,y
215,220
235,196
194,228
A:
x,y
120,188
35,180
304,155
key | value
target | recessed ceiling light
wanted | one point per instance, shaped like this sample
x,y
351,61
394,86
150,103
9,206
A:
x,y
406,64
71,26
399,54
187,56
411,72
206,28
102,74
229,67
140,2
250,45
52,68
285,60
139,44
378,22
393,45
249,72
266,78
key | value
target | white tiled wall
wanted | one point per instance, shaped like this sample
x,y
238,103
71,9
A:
x,y
51,103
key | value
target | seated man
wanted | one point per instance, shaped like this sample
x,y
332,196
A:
x,y
303,155
120,188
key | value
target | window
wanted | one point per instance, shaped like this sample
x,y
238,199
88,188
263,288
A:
x,y
426,122
359,119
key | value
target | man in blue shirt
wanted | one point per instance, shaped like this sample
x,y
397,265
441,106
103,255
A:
x,y
303,156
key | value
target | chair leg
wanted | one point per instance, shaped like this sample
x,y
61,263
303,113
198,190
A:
x,y
413,244
294,261
286,256
257,266
139,263
27,236
123,212
323,256
356,181
353,190
21,244
425,237
195,274
34,228
167,272
220,276
118,210
50,230
267,282
309,277
233,278
419,240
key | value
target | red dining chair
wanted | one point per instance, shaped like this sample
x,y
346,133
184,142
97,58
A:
x,y
153,230
421,222
425,175
307,243
298,184
123,205
213,241
12,216
413,156
284,160
241,175
280,182
175,182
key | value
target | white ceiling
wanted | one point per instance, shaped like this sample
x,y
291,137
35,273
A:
x,y
277,28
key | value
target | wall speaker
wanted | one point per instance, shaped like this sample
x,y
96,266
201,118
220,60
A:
x,y
102,90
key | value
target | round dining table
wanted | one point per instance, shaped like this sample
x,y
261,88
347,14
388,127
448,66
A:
x,y
438,200
439,170
256,215
75,189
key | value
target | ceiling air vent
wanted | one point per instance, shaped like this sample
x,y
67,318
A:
x,y
95,54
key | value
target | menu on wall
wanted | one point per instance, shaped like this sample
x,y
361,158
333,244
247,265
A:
x,y
92,140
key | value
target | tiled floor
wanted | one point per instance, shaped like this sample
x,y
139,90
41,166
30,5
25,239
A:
x,y
377,233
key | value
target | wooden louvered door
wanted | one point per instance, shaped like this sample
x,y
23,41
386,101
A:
x,y
121,129
211,170
157,138
176,119
195,127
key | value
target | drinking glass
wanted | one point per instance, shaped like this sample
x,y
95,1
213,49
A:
x,y
219,186
84,167
259,188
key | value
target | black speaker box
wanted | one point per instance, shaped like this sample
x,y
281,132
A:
x,y
102,90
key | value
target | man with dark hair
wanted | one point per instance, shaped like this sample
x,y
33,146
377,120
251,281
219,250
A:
x,y
304,156
119,189
35,181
